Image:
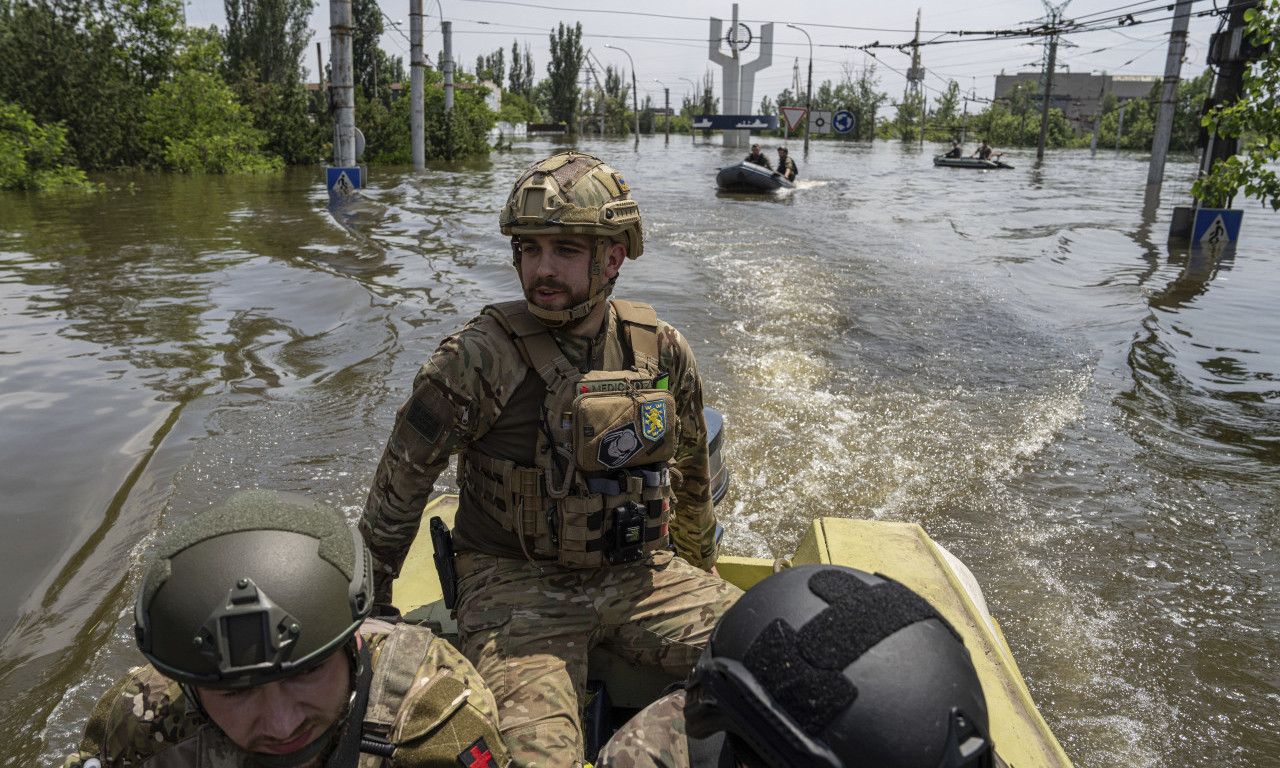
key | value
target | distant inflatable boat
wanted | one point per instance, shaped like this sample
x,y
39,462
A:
x,y
969,162
749,177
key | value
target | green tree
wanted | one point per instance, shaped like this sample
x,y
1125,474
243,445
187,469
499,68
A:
x,y
1187,112
521,71
517,109
866,103
492,67
562,71
945,121
35,157
459,134
366,31
196,125
265,43
88,64
1253,120
271,36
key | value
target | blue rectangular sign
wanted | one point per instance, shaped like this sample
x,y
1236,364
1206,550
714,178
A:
x,y
736,122
342,181
1216,225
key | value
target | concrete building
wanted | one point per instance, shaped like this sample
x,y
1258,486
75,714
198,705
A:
x,y
1079,96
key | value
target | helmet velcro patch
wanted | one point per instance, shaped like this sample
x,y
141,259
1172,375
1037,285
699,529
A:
x,y
803,668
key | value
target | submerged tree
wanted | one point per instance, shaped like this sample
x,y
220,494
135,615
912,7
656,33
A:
x,y
562,71
270,36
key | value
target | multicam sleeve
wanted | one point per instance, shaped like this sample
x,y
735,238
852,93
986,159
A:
x,y
141,715
653,738
693,525
448,716
454,396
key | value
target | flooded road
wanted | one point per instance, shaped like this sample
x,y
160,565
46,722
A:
x,y
1015,360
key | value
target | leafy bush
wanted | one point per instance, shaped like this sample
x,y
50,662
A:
x,y
193,124
34,157
461,134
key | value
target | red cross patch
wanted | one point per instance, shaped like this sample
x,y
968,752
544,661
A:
x,y
477,755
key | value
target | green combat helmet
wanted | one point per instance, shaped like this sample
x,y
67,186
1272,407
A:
x,y
575,194
260,588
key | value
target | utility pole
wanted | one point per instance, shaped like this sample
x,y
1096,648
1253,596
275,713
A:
x,y
666,94
446,31
1055,19
1097,117
417,122
915,76
1168,99
808,92
320,69
344,100
1120,126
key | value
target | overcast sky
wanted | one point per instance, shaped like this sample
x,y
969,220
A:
x,y
668,38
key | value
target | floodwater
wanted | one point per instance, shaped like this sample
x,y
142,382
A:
x,y
1015,360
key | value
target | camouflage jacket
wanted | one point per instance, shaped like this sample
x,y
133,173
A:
x,y
146,720
462,392
654,738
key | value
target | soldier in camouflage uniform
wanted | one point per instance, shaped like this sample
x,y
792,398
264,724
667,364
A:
x,y
820,666
583,452
254,617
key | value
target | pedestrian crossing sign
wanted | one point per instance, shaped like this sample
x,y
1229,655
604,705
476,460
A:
x,y
342,182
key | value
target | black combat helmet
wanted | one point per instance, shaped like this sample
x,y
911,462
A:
x,y
826,666
263,587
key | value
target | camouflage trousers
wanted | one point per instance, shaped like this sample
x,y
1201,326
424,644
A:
x,y
528,628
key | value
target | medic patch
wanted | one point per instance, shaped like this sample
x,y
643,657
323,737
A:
x,y
619,445
477,755
653,419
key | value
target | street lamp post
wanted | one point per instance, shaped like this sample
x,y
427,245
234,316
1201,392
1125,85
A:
x,y
666,117
635,103
808,95
693,90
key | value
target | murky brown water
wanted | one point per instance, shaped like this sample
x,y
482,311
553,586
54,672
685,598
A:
x,y
1014,360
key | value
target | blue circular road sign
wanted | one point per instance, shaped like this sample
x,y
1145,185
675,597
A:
x,y
842,121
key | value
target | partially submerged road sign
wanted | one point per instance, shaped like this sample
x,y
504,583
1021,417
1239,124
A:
x,y
1215,226
342,181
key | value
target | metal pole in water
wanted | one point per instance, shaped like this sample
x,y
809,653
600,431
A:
x,y
1168,97
344,103
446,29
417,127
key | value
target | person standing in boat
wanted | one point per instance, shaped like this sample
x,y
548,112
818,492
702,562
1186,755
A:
x,y
582,451
983,152
820,665
955,150
786,166
254,617
758,157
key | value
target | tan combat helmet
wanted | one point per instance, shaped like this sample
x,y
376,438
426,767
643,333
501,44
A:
x,y
578,194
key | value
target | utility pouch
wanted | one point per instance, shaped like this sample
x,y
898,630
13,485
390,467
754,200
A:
x,y
442,543
616,429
